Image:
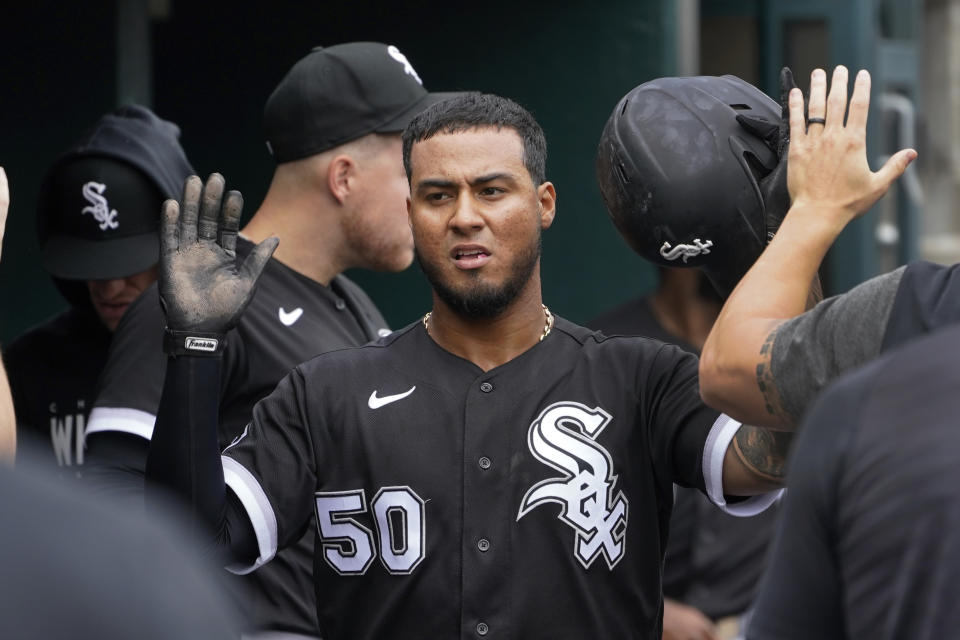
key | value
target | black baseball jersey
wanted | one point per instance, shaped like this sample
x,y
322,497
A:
x,y
528,501
713,560
867,546
53,370
290,319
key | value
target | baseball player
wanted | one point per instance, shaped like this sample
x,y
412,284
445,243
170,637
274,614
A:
x,y
867,546
765,361
337,202
97,224
491,470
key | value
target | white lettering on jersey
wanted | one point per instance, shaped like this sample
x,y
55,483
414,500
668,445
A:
x,y
66,440
686,250
99,209
402,59
563,438
288,318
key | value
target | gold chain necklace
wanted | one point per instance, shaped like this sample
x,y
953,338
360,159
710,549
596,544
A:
x,y
548,325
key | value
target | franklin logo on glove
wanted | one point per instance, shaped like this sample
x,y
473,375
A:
x,y
200,344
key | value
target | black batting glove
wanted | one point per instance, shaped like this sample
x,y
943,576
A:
x,y
776,135
202,290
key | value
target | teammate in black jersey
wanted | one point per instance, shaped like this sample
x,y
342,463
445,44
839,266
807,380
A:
x,y
337,202
97,222
868,544
491,470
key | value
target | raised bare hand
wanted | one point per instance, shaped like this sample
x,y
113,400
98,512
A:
x,y
828,170
201,288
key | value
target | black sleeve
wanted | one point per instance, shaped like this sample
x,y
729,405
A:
x,y
678,421
132,380
800,595
927,299
272,466
184,457
115,465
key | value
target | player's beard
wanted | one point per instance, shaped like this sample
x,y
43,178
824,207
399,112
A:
x,y
483,299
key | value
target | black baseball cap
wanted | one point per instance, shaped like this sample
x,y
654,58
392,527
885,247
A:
x,y
341,93
133,160
102,217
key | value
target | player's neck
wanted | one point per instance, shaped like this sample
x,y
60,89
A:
x,y
490,342
309,244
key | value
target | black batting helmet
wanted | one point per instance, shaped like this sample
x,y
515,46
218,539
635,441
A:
x,y
681,177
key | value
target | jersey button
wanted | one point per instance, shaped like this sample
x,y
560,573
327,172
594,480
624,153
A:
x,y
486,387
340,304
483,544
482,629
484,463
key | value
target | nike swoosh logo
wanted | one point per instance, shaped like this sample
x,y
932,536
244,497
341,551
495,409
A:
x,y
291,317
375,403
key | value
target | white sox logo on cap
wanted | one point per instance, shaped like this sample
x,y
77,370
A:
x,y
99,208
563,437
402,59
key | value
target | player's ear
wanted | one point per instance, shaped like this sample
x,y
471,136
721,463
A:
x,y
547,195
341,177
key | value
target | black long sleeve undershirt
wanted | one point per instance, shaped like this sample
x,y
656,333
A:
x,y
184,458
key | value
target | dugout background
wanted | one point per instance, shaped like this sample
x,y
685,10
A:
x,y
216,62
211,64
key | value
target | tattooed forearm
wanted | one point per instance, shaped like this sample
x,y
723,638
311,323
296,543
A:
x,y
766,382
763,451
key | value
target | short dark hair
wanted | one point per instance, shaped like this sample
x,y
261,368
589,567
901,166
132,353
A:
x,y
478,110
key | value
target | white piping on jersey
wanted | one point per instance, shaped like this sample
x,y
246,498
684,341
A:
x,y
125,420
718,440
255,503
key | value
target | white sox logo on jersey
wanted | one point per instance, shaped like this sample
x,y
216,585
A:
x,y
564,438
99,209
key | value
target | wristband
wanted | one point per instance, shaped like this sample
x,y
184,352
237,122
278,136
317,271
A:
x,y
192,343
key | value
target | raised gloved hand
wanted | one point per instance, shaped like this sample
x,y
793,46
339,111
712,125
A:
x,y
773,187
202,290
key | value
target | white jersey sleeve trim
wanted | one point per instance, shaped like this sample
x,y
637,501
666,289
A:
x,y
720,436
139,423
258,509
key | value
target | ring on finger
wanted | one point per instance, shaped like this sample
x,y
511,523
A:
x,y
811,121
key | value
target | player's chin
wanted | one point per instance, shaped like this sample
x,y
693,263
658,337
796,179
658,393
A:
x,y
110,314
